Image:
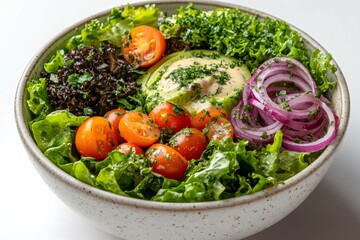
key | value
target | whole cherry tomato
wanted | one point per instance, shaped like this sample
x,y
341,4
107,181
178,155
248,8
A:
x,y
219,128
95,138
166,161
202,118
171,116
127,148
189,142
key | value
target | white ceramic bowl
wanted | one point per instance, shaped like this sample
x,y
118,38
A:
x,y
130,218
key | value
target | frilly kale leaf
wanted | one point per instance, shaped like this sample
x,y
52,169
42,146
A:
x,y
235,33
242,35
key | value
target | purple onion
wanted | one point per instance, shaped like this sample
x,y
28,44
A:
x,y
269,104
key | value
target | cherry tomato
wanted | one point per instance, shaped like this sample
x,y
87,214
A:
x,y
127,148
114,116
202,118
95,138
144,47
138,128
166,161
219,128
189,142
171,116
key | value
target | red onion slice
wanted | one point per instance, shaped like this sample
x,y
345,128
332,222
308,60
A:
x,y
318,144
281,95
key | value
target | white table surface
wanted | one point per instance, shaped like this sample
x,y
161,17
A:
x,y
29,209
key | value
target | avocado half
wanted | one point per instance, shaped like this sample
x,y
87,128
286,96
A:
x,y
195,79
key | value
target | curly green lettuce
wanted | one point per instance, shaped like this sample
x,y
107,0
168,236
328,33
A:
x,y
37,102
56,62
54,135
117,25
242,35
228,169
320,66
235,33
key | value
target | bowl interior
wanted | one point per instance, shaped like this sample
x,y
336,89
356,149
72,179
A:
x,y
339,96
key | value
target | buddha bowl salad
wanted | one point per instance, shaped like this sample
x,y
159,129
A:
x,y
196,106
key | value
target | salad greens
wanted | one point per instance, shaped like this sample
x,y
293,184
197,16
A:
x,y
38,102
117,25
241,35
226,168
230,170
319,66
54,135
56,62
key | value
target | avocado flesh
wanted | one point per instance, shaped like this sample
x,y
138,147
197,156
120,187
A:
x,y
196,80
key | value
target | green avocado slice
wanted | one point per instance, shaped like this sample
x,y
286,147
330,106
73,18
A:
x,y
195,79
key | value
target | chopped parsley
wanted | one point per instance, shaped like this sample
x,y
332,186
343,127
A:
x,y
178,109
77,80
88,111
264,135
185,76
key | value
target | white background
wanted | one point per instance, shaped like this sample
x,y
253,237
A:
x,y
28,208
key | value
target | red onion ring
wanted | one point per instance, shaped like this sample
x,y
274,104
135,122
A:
x,y
318,144
281,95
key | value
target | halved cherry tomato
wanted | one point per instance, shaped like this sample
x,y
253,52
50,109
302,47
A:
x,y
144,47
166,161
95,138
171,116
202,118
138,128
219,128
127,148
114,116
189,142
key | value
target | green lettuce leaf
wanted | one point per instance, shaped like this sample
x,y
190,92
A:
x,y
54,136
82,173
56,62
118,24
129,175
228,169
320,65
38,102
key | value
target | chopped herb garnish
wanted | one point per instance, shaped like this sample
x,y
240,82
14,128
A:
x,y
178,109
281,93
222,78
247,107
88,111
264,135
314,112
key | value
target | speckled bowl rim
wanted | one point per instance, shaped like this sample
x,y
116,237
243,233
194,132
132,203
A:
x,y
77,185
